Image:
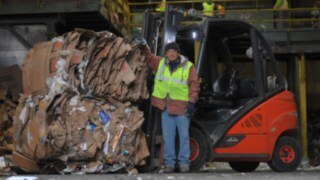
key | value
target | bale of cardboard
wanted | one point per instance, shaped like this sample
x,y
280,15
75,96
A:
x,y
79,110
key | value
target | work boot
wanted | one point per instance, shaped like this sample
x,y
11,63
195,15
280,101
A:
x,y
169,169
184,168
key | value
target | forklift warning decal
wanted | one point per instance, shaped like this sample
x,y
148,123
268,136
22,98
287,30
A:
x,y
253,121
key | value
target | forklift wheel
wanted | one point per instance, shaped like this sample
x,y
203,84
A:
x,y
198,149
287,155
244,166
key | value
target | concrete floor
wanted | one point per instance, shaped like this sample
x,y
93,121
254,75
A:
x,y
215,171
216,175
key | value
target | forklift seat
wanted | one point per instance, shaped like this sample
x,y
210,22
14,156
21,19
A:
x,y
223,92
225,86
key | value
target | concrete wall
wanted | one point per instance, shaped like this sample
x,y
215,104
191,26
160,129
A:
x,y
12,51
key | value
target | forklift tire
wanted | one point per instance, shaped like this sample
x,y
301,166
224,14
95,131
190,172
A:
x,y
286,156
198,149
244,166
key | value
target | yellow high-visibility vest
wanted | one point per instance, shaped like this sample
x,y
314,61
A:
x,y
161,7
175,84
208,8
281,4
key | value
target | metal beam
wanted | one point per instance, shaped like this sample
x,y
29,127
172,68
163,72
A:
x,y
259,73
169,28
36,7
27,19
294,41
21,39
302,99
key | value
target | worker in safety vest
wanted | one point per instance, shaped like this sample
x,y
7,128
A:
x,y
281,14
209,8
315,16
161,7
175,92
281,4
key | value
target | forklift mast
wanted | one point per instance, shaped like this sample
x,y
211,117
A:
x,y
159,30
171,22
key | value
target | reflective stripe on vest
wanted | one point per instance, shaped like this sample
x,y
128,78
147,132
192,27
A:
x,y
175,84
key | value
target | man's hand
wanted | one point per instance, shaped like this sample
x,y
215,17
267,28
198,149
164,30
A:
x,y
140,41
143,45
190,109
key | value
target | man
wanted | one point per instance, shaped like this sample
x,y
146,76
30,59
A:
x,y
315,16
209,8
161,7
175,92
280,8
281,4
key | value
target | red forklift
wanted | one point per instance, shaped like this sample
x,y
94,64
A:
x,y
245,114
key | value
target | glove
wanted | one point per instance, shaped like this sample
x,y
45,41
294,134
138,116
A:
x,y
143,45
140,41
190,109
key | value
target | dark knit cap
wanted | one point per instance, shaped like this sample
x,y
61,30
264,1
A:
x,y
172,45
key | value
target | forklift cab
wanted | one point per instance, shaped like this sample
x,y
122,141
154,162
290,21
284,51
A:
x,y
235,67
244,115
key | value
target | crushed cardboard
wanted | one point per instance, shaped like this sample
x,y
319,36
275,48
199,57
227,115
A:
x,y
7,111
100,64
76,132
79,106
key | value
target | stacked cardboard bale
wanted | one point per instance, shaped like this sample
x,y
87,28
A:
x,y
7,111
10,90
79,106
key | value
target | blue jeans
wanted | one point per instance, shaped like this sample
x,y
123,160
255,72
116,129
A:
x,y
170,123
